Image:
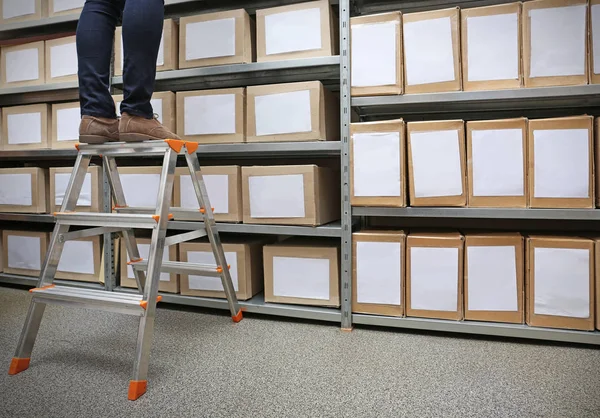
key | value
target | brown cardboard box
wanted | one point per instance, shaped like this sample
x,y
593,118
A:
x,y
24,252
212,116
372,73
494,270
224,187
56,8
90,198
593,39
426,67
81,260
26,127
290,195
65,125
232,38
243,255
436,163
140,185
1,254
304,272
24,190
169,282
22,65
551,65
559,282
12,11
378,164
281,32
378,272
304,111
571,186
491,36
497,163
163,104
61,60
597,263
434,275
597,160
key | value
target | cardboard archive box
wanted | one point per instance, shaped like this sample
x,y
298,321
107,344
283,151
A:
x,y
224,188
169,282
81,260
24,190
434,275
376,54
90,198
212,116
66,118
24,252
555,37
303,272
61,60
378,272
22,10
22,65
432,51
378,164
303,30
561,163
596,264
64,7
497,163
26,127
290,195
231,34
491,47
436,163
140,185
304,111
494,270
594,41
163,104
1,254
559,282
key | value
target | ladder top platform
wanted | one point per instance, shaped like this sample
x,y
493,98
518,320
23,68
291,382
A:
x,y
144,148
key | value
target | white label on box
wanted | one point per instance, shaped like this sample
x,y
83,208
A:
x,y
428,51
434,279
277,196
283,113
558,41
374,52
210,39
561,163
497,158
596,36
22,65
296,277
217,187
77,257
160,58
17,8
493,47
378,273
61,181
24,252
15,189
376,158
157,107
63,60
562,282
141,190
144,250
63,5
436,163
209,115
67,124
212,283
24,128
492,278
298,30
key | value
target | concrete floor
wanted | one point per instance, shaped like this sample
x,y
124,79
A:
x,y
204,366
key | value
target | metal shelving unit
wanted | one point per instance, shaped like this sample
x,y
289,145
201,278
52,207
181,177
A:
x,y
32,281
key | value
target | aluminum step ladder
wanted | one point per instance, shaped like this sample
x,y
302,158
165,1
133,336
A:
x,y
144,303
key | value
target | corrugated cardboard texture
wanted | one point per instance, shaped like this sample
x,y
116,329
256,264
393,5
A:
x,y
172,286
39,190
97,257
43,247
49,45
40,11
496,201
54,142
492,240
46,127
96,179
51,12
41,64
594,77
384,126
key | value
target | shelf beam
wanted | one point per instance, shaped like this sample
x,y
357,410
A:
x,y
33,281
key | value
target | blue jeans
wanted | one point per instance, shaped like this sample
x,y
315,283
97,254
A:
x,y
142,30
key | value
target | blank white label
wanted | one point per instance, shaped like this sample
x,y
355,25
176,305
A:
x,y
436,163
374,52
157,107
67,124
61,181
493,47
209,115
298,30
283,113
596,36
428,51
212,283
306,278
378,273
22,65
17,8
15,189
211,39
63,5
144,250
497,158
434,278
141,190
24,128
63,60
492,278
279,196
24,252
376,157
561,163
77,257
217,187
562,282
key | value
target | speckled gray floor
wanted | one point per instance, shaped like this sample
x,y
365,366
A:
x,y
204,366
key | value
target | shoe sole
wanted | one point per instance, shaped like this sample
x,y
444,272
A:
x,y
132,137
95,139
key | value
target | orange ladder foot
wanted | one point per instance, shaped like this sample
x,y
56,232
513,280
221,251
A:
x,y
17,365
238,317
136,389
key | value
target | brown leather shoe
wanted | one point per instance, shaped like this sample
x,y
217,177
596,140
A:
x,y
95,130
136,129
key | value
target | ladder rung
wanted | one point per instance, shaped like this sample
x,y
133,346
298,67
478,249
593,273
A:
x,y
126,148
107,219
181,267
178,213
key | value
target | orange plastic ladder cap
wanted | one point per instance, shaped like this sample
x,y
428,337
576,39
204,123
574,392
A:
x,y
119,207
17,365
156,218
50,286
346,329
238,317
77,146
170,216
175,144
136,389
137,260
144,303
220,269
203,211
191,147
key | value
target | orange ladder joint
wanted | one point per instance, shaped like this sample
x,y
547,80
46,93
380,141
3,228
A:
x,y
136,389
17,365
203,211
144,303
157,217
191,147
175,144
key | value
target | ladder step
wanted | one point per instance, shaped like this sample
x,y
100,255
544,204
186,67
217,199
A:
x,y
107,219
178,213
181,267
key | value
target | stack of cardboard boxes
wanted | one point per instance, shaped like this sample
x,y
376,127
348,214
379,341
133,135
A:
x,y
14,11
